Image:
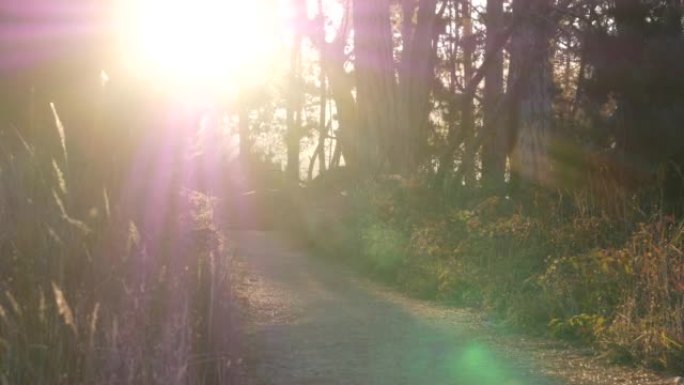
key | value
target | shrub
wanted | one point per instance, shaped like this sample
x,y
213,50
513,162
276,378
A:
x,y
560,265
384,247
649,322
584,327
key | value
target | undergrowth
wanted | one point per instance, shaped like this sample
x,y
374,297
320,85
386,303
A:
x,y
546,262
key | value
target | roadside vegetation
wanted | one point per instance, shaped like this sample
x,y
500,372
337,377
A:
x,y
542,262
101,283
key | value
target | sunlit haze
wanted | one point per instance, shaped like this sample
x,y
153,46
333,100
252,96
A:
x,y
207,43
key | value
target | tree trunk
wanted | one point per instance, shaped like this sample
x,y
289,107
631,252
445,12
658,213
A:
x,y
323,96
243,130
446,159
375,84
341,85
630,23
416,73
531,73
494,144
468,113
292,140
294,95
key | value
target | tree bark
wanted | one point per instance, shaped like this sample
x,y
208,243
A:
x,y
531,71
375,84
494,146
468,113
446,159
341,85
416,73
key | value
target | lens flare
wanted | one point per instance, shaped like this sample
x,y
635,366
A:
x,y
211,43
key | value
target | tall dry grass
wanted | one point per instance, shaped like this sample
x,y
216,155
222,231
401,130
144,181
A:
x,y
92,290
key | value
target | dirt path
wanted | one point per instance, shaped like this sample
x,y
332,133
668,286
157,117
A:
x,y
311,322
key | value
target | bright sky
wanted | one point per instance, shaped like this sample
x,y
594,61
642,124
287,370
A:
x,y
225,44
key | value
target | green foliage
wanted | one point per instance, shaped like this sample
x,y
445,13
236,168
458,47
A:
x,y
584,327
591,282
543,263
384,247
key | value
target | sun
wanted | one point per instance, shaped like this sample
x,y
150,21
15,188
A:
x,y
208,43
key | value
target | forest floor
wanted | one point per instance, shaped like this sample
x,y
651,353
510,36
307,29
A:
x,y
312,321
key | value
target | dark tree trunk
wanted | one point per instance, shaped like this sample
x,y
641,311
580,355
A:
x,y
630,24
494,143
323,96
468,111
341,85
446,159
416,74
